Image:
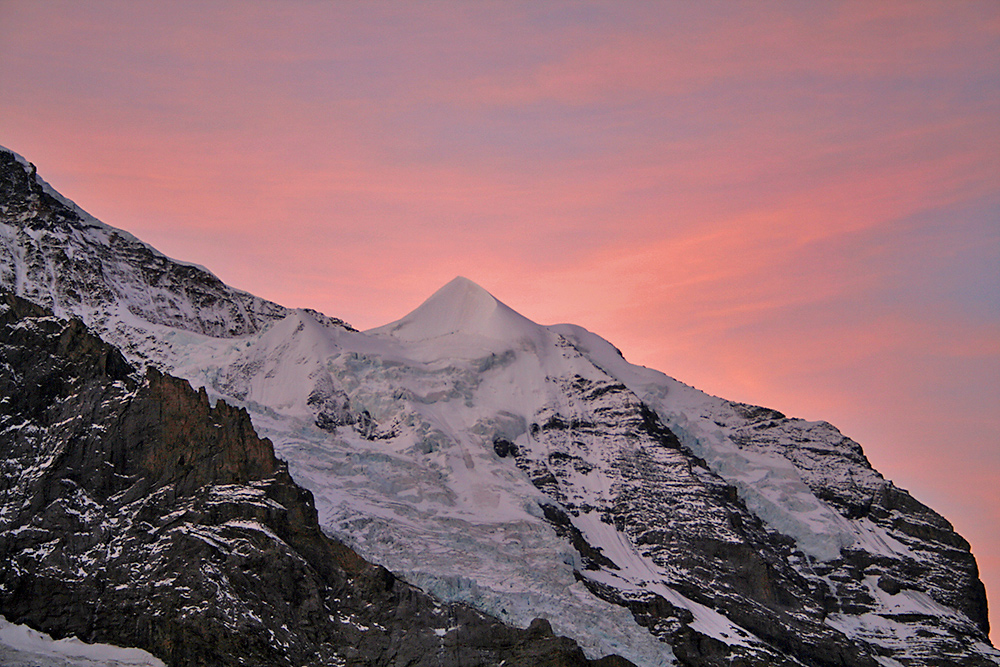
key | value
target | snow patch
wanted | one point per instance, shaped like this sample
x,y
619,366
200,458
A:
x,y
20,645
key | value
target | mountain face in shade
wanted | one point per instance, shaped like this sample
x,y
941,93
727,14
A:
x,y
531,471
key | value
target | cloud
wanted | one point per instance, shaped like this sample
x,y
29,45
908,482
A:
x,y
668,50
794,206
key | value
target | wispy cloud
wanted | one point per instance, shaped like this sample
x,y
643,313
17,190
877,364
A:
x,y
793,204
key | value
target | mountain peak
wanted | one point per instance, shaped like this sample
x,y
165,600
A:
x,y
460,307
463,293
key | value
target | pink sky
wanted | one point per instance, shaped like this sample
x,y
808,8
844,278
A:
x,y
790,204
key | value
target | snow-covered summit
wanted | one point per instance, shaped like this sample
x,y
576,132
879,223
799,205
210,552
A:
x,y
462,320
461,307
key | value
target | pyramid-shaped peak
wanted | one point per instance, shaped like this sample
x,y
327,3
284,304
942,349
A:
x,y
460,307
464,294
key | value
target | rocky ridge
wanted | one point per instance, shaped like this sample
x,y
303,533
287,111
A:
x,y
60,257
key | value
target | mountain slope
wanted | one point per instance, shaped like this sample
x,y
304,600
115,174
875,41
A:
x,y
530,470
135,513
62,258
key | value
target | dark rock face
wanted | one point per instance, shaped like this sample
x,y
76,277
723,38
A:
x,y
133,512
685,518
939,561
689,521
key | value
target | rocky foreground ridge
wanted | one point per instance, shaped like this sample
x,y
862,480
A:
x,y
133,512
524,470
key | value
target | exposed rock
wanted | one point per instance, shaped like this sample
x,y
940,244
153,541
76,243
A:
x,y
504,448
689,521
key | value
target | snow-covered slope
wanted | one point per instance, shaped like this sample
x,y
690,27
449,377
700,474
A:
x,y
64,259
20,646
532,471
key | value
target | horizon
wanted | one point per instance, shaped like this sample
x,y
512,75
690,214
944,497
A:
x,y
795,208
